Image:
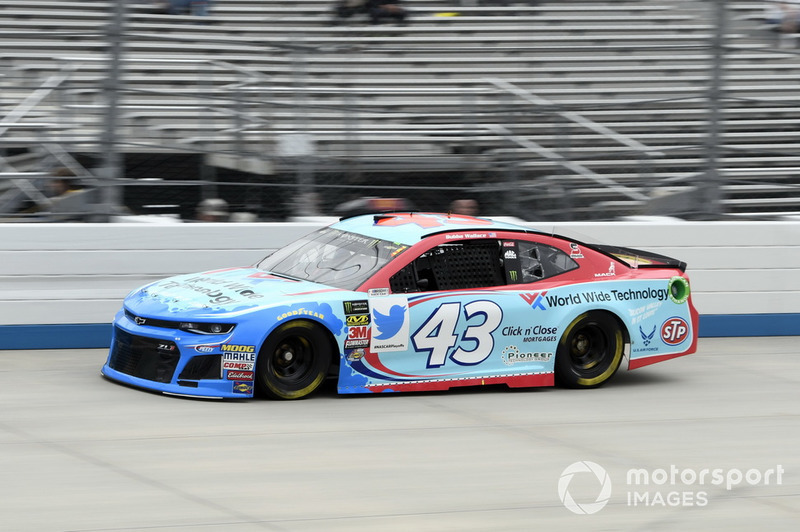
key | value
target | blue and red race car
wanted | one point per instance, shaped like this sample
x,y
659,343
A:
x,y
406,301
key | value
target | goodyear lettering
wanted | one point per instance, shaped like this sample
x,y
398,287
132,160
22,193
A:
x,y
301,312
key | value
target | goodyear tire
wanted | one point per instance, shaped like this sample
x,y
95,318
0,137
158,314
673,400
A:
x,y
293,361
590,351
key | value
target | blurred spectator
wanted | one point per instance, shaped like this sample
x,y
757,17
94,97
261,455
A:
x,y
212,210
62,184
62,197
504,3
185,7
347,8
465,206
308,204
784,16
372,204
243,217
377,10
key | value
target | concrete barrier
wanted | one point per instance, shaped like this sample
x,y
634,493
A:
x,y
61,284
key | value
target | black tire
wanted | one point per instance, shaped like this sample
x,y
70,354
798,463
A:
x,y
293,361
590,351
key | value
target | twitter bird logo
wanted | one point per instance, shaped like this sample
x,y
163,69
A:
x,y
389,325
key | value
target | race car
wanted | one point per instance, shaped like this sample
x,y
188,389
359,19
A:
x,y
406,301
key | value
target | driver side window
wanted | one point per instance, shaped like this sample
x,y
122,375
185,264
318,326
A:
x,y
481,264
452,266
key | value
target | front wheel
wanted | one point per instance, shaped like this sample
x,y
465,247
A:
x,y
293,361
590,351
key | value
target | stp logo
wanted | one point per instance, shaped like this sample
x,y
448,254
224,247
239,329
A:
x,y
674,331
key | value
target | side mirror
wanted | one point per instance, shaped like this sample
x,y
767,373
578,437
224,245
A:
x,y
423,284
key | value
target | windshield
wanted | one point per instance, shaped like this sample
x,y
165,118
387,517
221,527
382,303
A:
x,y
333,257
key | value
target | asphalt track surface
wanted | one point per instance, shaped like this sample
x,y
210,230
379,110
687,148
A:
x,y
80,453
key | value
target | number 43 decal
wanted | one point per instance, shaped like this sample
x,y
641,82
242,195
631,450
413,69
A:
x,y
437,335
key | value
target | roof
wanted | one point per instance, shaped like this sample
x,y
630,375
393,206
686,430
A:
x,y
411,227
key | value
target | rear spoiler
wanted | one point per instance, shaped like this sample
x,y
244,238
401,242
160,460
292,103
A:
x,y
636,258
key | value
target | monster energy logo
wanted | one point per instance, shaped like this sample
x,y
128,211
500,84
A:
x,y
513,275
356,307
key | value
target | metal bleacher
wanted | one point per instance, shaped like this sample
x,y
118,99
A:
x,y
620,90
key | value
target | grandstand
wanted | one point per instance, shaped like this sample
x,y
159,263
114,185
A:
x,y
543,110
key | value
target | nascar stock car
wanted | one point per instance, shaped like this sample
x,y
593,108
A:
x,y
406,302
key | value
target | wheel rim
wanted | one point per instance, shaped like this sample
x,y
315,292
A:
x,y
588,348
292,359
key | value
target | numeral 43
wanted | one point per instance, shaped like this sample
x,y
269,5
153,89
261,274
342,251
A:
x,y
437,336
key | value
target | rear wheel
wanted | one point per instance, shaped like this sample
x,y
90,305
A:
x,y
293,361
590,351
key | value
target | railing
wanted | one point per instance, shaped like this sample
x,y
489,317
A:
x,y
287,136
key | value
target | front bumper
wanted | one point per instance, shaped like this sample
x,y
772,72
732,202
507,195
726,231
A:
x,y
174,362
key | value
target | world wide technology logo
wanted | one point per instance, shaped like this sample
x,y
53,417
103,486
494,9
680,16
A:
x,y
663,487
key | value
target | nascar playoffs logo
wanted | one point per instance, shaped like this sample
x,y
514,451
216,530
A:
x,y
390,324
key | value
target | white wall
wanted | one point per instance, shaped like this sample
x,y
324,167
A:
x,y
79,273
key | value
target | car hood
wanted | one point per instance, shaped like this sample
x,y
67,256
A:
x,y
227,291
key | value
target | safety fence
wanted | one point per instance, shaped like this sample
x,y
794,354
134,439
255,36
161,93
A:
x,y
540,110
